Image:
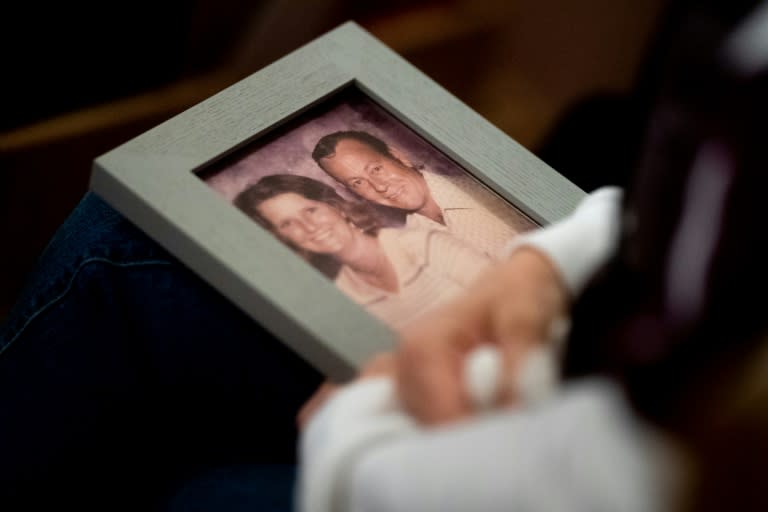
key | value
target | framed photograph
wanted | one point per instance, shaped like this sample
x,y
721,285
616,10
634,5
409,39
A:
x,y
335,196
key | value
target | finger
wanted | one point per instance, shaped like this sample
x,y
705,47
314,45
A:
x,y
520,328
512,362
318,399
429,372
530,365
539,375
435,397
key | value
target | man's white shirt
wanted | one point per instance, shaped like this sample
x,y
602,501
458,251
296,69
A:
x,y
471,213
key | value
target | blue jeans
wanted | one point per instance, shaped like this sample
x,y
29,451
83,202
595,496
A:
x,y
128,383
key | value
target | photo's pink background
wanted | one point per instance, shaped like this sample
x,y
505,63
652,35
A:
x,y
291,152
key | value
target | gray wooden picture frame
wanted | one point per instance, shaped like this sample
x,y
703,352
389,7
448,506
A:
x,y
151,181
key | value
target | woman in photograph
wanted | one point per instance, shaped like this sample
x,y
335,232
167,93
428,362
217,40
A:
x,y
396,274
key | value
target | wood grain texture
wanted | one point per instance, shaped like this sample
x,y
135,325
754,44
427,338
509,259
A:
x,y
150,180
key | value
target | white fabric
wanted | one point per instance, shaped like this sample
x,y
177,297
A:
x,y
356,418
580,450
579,244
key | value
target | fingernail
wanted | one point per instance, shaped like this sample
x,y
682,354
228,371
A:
x,y
558,331
482,370
538,377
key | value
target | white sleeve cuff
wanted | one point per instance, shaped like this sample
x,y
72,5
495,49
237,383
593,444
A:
x,y
582,242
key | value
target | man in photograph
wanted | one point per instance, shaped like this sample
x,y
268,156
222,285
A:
x,y
378,172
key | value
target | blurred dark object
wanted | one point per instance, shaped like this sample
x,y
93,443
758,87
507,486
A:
x,y
84,78
704,137
677,315
76,54
596,141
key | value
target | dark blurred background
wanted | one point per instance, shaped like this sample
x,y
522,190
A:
x,y
561,77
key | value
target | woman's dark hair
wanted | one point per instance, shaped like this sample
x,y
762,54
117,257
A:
x,y
358,213
270,186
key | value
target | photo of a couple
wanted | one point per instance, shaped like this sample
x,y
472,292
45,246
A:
x,y
341,189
